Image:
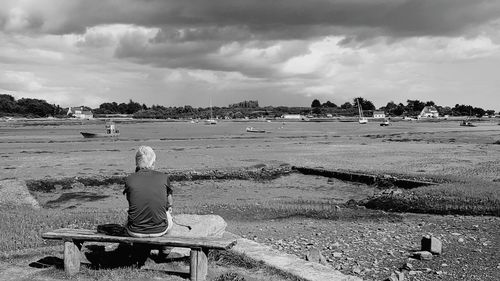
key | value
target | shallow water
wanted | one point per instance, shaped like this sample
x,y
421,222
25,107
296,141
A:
x,y
288,189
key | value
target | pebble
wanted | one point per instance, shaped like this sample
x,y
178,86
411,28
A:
x,y
356,270
423,255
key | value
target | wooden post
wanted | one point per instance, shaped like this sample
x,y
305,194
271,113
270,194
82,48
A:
x,y
199,265
72,257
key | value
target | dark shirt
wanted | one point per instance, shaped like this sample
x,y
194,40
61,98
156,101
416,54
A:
x,y
147,192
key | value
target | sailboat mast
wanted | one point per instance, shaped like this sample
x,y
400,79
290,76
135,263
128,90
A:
x,y
359,109
211,117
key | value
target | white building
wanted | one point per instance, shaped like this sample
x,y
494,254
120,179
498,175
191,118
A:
x,y
378,114
429,112
292,116
80,112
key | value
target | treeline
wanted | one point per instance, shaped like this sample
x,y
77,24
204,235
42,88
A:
x,y
412,108
28,107
40,108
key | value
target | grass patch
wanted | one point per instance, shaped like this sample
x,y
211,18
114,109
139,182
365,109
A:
x,y
466,198
22,227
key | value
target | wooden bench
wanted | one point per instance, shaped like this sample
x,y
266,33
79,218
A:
x,y
74,239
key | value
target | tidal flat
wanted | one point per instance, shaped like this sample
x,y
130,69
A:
x,y
293,212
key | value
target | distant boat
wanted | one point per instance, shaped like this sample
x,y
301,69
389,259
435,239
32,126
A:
x,y
362,119
111,131
211,121
385,123
467,123
254,130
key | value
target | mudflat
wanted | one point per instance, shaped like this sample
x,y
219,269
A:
x,y
31,151
369,243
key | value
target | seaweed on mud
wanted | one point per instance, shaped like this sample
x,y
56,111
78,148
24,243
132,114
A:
x,y
48,185
237,174
380,181
260,173
406,204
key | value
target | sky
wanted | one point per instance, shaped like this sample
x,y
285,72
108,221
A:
x,y
279,52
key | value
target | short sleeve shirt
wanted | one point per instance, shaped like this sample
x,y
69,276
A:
x,y
147,192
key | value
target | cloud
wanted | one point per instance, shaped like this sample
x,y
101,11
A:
x,y
278,19
280,51
19,81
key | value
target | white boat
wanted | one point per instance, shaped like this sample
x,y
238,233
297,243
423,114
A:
x,y
385,123
362,119
111,131
254,130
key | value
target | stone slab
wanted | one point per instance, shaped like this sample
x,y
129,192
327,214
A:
x,y
310,271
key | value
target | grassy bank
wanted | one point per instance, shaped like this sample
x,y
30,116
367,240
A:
x,y
21,227
464,198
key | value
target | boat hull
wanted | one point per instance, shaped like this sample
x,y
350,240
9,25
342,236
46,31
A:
x,y
253,130
88,135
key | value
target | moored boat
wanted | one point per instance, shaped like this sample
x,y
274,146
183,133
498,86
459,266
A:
x,y
467,123
111,131
362,119
254,130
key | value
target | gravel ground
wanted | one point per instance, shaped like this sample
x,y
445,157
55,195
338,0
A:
x,y
373,250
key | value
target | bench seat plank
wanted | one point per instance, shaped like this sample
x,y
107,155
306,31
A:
x,y
174,241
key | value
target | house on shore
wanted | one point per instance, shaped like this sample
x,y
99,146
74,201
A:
x,y
80,112
378,115
292,116
429,112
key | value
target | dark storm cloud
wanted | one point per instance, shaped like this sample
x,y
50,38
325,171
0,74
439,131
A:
x,y
276,18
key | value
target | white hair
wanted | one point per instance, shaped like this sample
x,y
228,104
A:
x,y
145,157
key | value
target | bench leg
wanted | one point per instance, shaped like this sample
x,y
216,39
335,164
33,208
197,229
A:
x,y
199,265
72,257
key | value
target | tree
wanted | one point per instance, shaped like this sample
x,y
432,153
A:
x,y
346,105
8,104
329,104
36,107
108,108
490,112
365,104
315,103
122,108
414,106
133,107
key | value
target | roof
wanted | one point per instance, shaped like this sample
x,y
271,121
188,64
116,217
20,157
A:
x,y
429,109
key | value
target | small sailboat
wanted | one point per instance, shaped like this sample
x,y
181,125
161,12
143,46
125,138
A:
x,y
111,131
211,121
467,123
362,119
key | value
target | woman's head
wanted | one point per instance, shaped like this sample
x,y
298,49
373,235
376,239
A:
x,y
145,158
